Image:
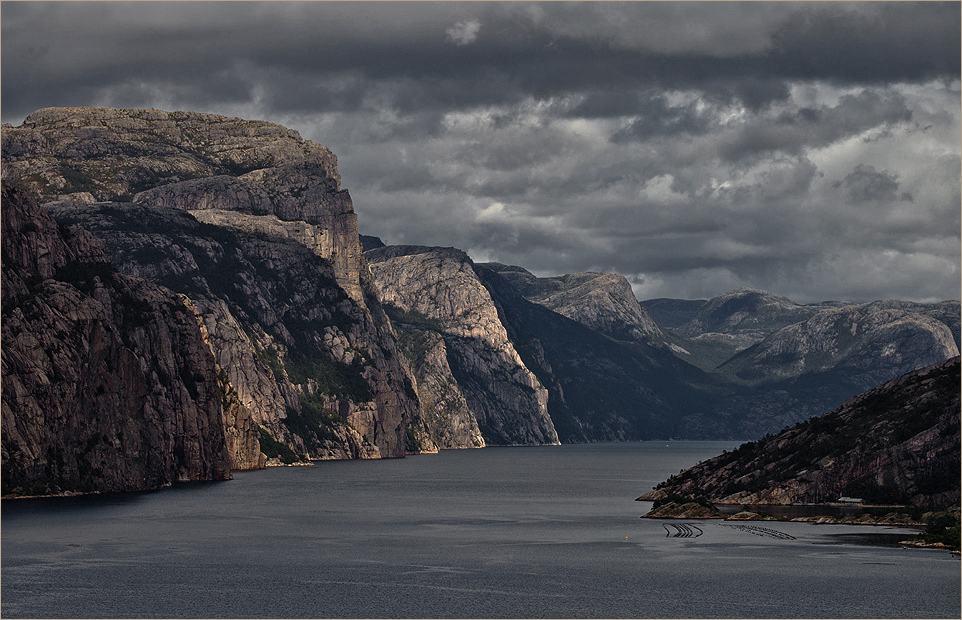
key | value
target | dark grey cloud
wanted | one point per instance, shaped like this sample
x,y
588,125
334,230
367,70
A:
x,y
865,184
869,42
539,50
807,148
795,130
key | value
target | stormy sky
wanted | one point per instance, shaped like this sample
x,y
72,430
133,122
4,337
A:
x,y
809,149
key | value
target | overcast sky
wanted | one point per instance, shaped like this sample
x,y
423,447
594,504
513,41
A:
x,y
811,149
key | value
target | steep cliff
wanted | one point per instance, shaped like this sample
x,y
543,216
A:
x,y
313,366
896,443
274,268
440,286
108,383
447,421
249,222
602,389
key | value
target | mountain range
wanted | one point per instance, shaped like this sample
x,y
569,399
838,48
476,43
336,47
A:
x,y
321,343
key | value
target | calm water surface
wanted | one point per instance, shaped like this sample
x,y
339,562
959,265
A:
x,y
499,532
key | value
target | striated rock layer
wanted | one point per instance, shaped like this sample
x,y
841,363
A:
x,y
446,421
108,384
897,443
319,372
439,288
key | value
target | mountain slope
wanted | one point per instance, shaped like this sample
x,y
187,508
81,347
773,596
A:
x,y
734,321
899,442
868,344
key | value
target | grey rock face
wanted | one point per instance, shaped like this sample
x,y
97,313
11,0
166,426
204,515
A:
x,y
440,285
871,341
602,301
108,384
312,205
240,427
446,419
948,312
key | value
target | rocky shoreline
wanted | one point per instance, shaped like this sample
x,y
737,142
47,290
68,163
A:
x,y
691,510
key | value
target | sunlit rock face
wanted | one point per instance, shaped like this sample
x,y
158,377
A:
x,y
446,421
439,288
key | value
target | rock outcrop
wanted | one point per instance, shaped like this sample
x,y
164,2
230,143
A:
x,y
684,510
108,383
274,267
897,443
319,372
439,287
446,420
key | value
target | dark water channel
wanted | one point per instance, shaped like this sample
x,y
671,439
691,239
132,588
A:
x,y
549,532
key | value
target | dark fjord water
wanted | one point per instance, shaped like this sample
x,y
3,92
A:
x,y
548,532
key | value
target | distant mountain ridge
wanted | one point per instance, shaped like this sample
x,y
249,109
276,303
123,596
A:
x,y
740,318
601,301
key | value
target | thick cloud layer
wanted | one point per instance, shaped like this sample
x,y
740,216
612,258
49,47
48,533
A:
x,y
809,149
